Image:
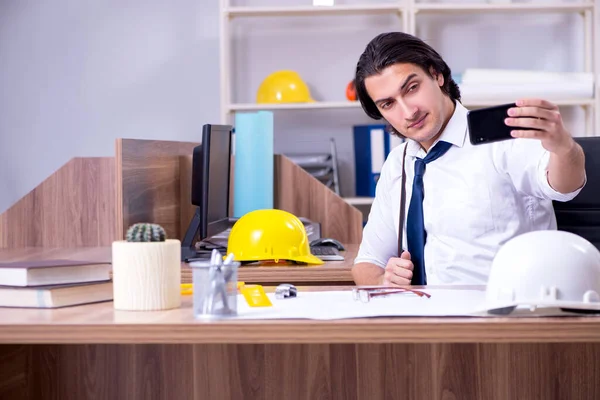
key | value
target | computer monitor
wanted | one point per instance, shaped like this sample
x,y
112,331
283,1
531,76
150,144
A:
x,y
211,168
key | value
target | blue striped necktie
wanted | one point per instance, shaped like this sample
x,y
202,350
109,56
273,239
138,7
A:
x,y
415,225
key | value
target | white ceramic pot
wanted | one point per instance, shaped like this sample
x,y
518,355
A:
x,y
146,275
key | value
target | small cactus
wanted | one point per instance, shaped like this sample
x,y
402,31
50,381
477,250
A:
x,y
145,232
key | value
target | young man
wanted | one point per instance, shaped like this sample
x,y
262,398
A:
x,y
465,201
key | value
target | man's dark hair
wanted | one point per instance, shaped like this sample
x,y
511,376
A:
x,y
393,48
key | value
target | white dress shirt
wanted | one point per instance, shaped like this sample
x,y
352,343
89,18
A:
x,y
476,198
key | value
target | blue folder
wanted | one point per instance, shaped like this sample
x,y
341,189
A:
x,y
372,145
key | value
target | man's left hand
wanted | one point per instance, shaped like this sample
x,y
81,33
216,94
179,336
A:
x,y
545,119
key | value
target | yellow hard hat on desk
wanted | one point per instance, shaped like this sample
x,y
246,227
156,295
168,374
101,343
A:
x,y
271,234
283,87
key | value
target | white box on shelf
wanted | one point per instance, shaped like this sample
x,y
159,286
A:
x,y
323,2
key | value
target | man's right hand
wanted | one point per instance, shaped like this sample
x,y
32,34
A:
x,y
398,271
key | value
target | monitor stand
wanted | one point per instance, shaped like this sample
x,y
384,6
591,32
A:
x,y
190,255
188,250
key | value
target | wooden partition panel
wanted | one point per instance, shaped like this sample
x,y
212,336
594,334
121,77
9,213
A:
x,y
75,206
93,201
300,193
149,184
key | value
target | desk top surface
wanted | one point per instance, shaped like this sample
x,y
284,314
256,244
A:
x,y
101,323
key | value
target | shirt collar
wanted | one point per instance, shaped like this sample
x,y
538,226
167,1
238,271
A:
x,y
454,133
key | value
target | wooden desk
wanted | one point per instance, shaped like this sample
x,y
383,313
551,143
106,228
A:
x,y
94,352
331,273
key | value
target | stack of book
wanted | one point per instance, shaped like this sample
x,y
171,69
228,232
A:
x,y
54,283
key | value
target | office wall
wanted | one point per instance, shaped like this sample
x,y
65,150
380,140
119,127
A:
x,y
76,74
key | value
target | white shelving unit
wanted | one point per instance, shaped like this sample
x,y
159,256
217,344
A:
x,y
359,201
407,12
505,7
234,12
229,13
353,104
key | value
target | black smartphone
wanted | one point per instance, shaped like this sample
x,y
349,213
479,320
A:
x,y
486,125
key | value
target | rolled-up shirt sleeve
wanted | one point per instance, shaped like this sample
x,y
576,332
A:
x,y
548,190
526,162
380,240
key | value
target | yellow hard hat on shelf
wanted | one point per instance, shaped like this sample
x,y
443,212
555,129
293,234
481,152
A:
x,y
270,234
283,87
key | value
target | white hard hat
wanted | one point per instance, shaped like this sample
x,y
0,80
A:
x,y
545,269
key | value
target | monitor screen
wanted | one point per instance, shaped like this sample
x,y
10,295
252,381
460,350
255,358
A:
x,y
217,204
210,179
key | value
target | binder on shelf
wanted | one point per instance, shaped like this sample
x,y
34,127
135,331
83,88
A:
x,y
372,145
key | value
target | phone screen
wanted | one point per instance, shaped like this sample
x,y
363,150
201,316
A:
x,y
487,124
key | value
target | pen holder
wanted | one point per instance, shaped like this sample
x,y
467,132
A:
x,y
215,289
146,270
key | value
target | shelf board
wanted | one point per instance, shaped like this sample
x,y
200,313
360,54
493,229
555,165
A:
x,y
328,105
295,106
499,7
359,201
290,11
492,102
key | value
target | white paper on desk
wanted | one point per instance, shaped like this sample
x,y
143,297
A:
x,y
341,305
